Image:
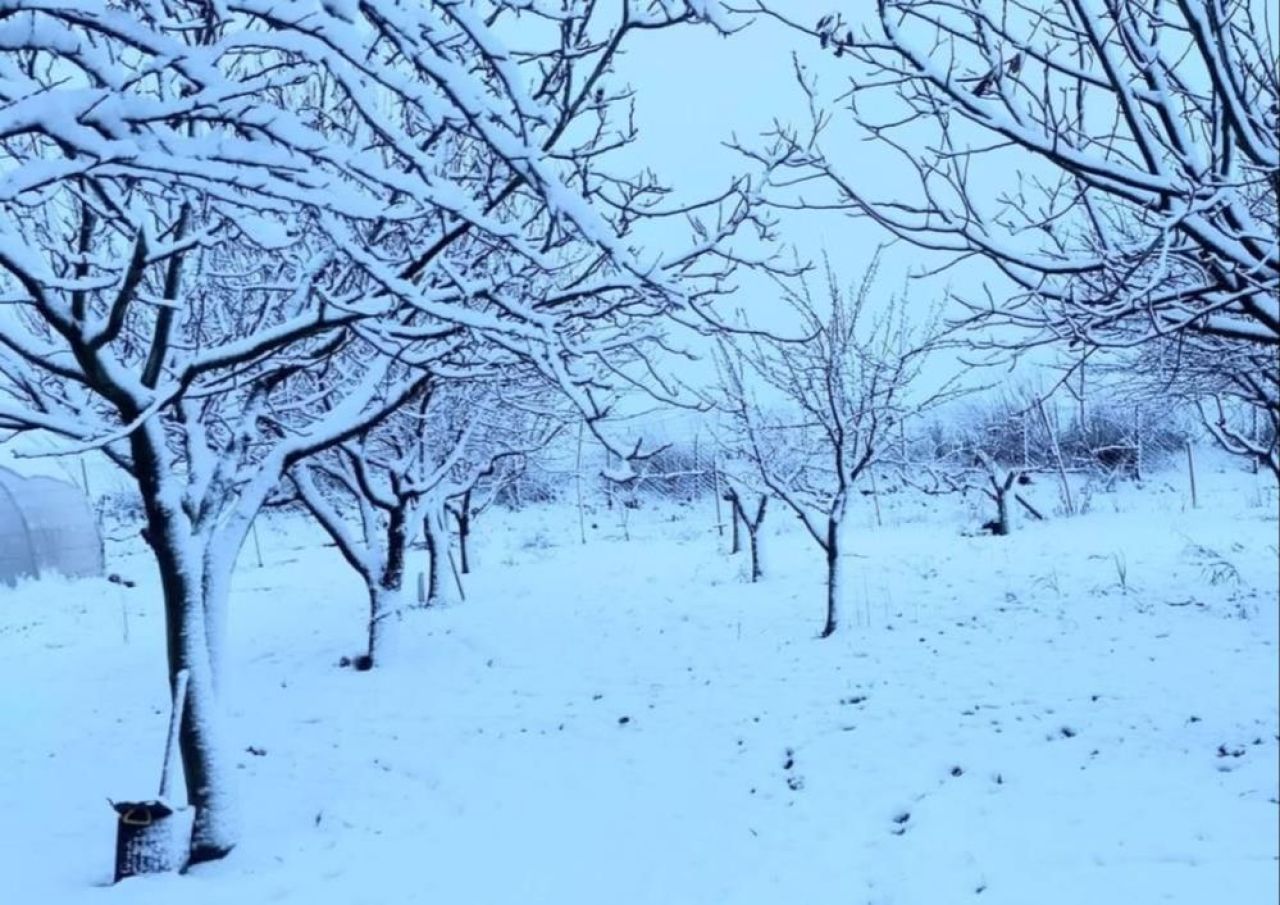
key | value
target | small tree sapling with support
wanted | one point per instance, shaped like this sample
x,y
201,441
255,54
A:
x,y
977,471
497,457
972,455
474,500
999,488
751,518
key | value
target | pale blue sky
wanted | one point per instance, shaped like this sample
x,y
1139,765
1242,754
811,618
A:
x,y
696,88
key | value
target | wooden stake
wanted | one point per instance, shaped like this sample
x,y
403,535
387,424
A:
x,y
715,477
875,496
257,545
1035,513
175,724
1191,471
1057,455
582,523
453,567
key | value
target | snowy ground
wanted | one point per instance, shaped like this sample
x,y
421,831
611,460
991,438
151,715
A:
x,y
1085,712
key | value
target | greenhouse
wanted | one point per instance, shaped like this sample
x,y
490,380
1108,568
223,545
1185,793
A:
x,y
46,526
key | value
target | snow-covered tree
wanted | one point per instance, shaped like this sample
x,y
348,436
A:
x,y
378,492
816,411
738,453
970,467
232,235
1235,388
502,424
1117,160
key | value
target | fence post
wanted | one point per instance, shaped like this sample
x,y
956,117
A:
x,y
1191,472
1137,437
1057,455
582,524
875,496
715,491
1256,460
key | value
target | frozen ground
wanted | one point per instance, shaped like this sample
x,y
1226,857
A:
x,y
1085,712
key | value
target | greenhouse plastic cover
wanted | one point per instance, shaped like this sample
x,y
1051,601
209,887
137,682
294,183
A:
x,y
46,526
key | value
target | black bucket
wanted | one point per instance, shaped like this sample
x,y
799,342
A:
x,y
145,839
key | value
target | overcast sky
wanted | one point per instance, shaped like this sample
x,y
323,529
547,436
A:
x,y
696,89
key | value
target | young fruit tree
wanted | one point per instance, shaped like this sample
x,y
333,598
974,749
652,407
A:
x,y
203,371
479,435
738,475
971,467
233,235
814,413
747,510
376,493
503,423
1118,161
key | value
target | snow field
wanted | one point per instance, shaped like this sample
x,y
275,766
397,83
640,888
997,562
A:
x,y
1083,712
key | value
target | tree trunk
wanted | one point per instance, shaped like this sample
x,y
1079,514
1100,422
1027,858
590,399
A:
x,y
222,551
1002,512
181,557
434,553
209,786
752,524
832,549
385,616
208,777
386,591
464,532
444,584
